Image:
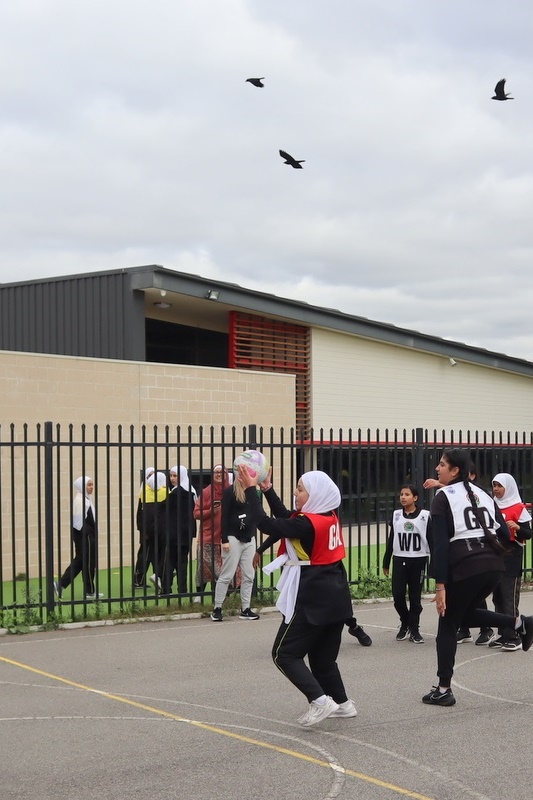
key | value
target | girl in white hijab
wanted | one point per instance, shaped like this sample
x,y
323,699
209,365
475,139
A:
x,y
84,540
506,596
151,526
180,531
314,593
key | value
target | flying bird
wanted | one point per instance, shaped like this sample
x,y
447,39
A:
x,y
256,82
292,162
500,93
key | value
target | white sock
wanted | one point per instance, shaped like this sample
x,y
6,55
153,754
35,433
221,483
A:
x,y
518,623
441,690
322,700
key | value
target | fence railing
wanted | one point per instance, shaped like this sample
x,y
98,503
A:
x,y
38,467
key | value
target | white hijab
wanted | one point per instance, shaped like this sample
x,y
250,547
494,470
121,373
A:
x,y
82,503
324,495
185,482
511,495
156,481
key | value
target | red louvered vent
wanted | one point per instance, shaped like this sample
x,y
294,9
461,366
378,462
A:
x,y
268,345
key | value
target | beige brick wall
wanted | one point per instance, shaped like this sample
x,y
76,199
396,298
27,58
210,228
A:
x,y
76,392
364,384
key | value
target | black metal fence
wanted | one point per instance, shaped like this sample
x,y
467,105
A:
x,y
38,467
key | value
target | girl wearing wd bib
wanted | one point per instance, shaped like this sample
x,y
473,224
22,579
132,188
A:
x,y
314,594
408,547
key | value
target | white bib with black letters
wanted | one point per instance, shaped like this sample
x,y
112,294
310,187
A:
x,y
466,524
410,535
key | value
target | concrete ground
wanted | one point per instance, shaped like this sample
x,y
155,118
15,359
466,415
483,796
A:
x,y
196,710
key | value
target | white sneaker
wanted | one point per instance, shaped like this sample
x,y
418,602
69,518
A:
x,y
94,596
346,709
156,581
316,713
197,599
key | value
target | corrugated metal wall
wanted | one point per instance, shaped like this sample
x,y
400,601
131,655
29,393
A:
x,y
93,315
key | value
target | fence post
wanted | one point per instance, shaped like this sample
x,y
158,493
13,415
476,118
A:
x,y
419,458
49,516
252,437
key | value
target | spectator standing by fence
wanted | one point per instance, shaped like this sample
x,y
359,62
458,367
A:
x,y
238,550
208,511
84,540
180,529
150,524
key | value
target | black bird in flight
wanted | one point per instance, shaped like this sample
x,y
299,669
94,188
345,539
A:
x,y
292,162
500,93
256,82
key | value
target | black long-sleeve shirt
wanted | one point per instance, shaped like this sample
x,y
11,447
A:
x,y
236,519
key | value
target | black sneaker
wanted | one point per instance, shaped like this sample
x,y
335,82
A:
x,y
485,637
417,638
362,637
526,633
436,698
402,634
247,613
58,589
496,643
512,644
464,635
216,615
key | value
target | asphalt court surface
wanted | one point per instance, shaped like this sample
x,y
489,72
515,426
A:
x,y
196,710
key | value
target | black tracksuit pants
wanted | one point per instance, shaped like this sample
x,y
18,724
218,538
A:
x,y
320,643
408,576
462,606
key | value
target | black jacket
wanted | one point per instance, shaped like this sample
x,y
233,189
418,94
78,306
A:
x,y
180,522
236,520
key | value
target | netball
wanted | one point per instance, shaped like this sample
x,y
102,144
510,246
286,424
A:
x,y
256,462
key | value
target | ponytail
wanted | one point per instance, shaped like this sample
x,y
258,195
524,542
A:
x,y
491,539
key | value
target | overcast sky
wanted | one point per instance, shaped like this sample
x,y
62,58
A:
x,y
128,136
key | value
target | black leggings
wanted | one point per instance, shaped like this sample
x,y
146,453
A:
x,y
320,643
84,560
408,575
462,607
